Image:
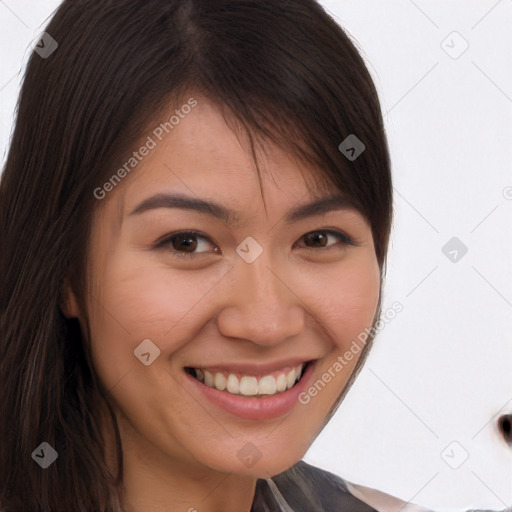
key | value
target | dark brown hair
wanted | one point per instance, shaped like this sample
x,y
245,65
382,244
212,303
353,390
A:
x,y
283,69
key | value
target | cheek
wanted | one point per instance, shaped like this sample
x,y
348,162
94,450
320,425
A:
x,y
345,303
346,300
138,300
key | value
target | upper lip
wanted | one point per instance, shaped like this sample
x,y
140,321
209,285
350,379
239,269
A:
x,y
254,368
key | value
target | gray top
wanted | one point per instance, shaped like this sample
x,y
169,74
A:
x,y
306,488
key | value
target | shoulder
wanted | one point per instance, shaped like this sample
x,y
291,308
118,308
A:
x,y
387,503
305,487
381,501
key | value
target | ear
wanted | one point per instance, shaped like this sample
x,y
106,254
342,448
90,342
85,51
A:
x,y
68,303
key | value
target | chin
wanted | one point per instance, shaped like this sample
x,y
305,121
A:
x,y
258,463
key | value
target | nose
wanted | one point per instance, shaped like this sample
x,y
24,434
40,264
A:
x,y
260,305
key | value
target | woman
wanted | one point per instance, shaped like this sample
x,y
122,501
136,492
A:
x,y
194,215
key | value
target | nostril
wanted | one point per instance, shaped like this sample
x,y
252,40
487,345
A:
x,y
505,427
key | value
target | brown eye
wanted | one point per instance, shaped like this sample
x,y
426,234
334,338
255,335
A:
x,y
317,238
186,244
320,239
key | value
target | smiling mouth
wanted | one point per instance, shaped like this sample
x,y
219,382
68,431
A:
x,y
249,385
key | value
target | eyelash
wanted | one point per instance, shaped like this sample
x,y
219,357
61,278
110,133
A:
x,y
167,241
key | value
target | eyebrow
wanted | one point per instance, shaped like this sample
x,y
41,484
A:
x,y
317,207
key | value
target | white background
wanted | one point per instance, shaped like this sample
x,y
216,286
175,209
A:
x,y
440,371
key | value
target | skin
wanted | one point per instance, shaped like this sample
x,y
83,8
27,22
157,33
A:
x,y
296,298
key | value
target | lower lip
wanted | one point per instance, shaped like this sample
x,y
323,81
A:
x,y
252,408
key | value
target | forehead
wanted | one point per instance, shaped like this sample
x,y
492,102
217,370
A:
x,y
208,139
203,155
209,157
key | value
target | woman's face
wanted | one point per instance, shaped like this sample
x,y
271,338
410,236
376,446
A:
x,y
260,291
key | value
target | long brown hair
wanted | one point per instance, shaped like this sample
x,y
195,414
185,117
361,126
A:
x,y
283,68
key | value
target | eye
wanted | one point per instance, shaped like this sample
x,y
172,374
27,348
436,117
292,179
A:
x,y
185,244
320,238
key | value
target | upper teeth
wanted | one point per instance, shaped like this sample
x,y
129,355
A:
x,y
249,385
